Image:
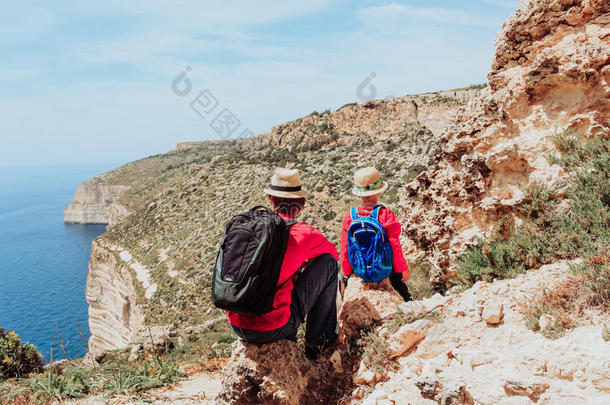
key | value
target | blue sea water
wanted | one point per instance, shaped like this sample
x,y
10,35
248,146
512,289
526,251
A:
x,y
44,262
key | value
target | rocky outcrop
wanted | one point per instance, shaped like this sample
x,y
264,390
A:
x,y
550,72
463,359
379,119
114,317
92,202
277,373
188,145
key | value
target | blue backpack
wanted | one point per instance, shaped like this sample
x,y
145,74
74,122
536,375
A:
x,y
368,248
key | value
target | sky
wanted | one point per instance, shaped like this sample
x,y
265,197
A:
x,y
85,82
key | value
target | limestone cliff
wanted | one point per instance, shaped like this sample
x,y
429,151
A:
x,y
92,202
550,72
114,318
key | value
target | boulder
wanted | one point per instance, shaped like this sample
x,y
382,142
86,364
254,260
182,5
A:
x,y
365,303
277,373
366,376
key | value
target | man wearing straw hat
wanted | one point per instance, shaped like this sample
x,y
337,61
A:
x,y
307,294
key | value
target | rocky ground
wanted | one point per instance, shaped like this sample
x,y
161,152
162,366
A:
x,y
475,349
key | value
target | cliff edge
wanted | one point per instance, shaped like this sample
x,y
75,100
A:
x,y
92,201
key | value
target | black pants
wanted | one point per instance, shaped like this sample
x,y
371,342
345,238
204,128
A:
x,y
313,298
400,286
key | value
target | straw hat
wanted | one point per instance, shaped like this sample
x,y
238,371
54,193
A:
x,y
286,183
367,181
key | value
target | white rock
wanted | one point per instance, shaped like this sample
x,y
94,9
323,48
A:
x,y
493,313
545,320
408,336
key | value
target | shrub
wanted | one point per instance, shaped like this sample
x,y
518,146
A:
x,y
373,348
564,304
17,360
548,234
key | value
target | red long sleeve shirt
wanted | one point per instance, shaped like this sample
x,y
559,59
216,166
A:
x,y
390,223
304,243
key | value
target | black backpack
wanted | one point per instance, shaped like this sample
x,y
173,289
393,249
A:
x,y
249,261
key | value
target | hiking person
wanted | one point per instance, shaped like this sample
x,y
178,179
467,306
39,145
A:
x,y
370,245
305,286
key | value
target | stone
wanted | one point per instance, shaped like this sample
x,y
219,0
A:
x,y
545,321
545,76
277,373
358,393
336,362
407,337
529,389
365,303
493,313
366,376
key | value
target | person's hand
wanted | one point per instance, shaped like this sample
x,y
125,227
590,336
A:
x,y
342,283
405,276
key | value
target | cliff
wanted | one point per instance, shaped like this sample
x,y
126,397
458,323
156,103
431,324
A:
x,y
114,318
92,202
550,72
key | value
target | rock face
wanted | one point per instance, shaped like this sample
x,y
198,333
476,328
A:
x,y
188,145
92,202
550,72
114,317
277,373
380,119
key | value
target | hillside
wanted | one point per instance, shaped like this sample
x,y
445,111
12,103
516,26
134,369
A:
x,y
504,200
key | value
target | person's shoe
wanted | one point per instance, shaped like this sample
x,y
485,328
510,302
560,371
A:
x,y
312,352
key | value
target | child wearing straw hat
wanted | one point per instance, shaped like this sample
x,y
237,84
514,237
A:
x,y
369,186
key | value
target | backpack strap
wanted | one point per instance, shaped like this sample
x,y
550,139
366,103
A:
x,y
375,213
354,213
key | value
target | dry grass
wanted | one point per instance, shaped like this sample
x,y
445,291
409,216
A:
x,y
565,304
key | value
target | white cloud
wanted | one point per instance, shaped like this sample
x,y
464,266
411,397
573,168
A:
x,y
264,82
395,13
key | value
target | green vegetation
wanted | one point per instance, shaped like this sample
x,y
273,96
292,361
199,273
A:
x,y
552,230
577,227
192,201
373,349
16,359
118,375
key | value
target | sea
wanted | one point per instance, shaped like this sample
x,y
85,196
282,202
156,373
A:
x,y
44,262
